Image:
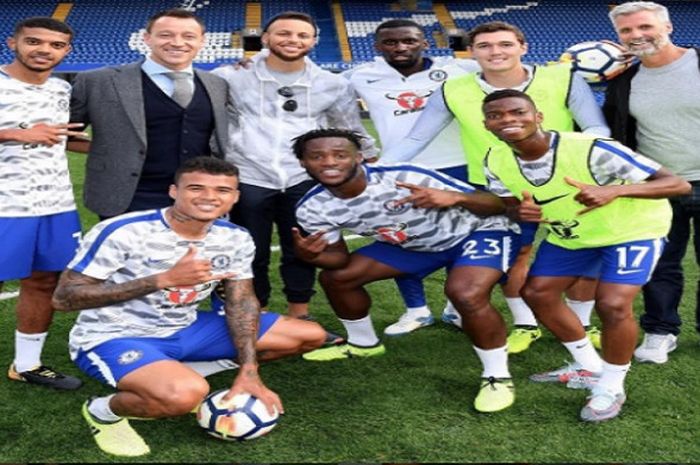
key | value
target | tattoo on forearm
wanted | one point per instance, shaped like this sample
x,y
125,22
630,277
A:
x,y
75,291
242,317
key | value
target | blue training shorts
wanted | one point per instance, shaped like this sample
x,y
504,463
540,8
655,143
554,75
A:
x,y
37,243
491,249
627,263
206,339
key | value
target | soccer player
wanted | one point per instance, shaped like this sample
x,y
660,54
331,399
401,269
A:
x,y
139,279
421,221
39,224
395,87
605,210
654,107
564,97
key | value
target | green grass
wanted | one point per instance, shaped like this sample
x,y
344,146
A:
x,y
412,405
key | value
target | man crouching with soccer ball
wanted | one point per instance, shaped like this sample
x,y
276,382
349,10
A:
x,y
139,279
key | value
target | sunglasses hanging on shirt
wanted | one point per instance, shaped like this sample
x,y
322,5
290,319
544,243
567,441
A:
x,y
291,104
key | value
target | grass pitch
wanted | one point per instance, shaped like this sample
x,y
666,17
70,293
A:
x,y
412,405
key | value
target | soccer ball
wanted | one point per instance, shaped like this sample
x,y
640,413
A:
x,y
247,417
596,61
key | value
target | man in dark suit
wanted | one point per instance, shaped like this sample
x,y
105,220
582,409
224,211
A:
x,y
148,117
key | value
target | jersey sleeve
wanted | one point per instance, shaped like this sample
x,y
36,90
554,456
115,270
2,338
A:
x,y
242,263
610,161
494,184
426,177
102,252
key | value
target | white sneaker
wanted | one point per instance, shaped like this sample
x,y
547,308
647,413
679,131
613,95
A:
x,y
408,323
602,405
450,315
655,348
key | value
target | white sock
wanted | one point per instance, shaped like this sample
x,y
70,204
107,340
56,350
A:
x,y
613,377
584,353
211,367
494,361
360,332
416,312
99,408
582,309
522,315
28,349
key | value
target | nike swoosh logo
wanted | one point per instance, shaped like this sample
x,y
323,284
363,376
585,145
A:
x,y
546,201
372,81
628,271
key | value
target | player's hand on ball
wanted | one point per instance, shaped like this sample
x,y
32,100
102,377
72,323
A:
x,y
248,381
190,271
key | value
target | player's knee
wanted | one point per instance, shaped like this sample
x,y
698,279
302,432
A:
x,y
313,339
181,397
534,294
467,298
614,309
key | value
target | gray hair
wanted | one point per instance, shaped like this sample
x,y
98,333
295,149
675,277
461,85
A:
x,y
629,8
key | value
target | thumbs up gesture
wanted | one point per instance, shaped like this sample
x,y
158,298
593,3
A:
x,y
528,210
190,271
592,196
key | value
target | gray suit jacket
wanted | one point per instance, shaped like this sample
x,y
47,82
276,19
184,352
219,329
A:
x,y
111,101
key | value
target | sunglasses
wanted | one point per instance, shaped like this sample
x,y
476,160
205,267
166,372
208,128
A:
x,y
291,104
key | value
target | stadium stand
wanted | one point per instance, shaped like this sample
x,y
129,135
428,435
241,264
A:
x,y
109,31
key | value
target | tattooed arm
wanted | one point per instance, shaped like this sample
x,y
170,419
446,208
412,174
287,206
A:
x,y
76,291
243,320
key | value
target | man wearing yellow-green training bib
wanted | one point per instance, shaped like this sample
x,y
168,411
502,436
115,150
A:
x,y
605,211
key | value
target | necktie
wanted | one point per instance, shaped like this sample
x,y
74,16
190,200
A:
x,y
182,90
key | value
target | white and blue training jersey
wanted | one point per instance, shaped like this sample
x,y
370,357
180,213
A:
x,y
141,244
34,177
375,213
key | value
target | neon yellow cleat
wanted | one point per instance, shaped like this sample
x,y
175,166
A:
x,y
117,438
343,351
593,334
495,395
520,338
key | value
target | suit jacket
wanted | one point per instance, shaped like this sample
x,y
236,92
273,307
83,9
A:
x,y
111,101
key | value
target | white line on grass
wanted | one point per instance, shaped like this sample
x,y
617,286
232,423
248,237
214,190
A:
x,y
8,295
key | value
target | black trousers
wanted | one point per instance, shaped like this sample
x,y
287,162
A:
x,y
662,294
257,210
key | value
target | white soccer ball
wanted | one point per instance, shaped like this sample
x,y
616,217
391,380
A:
x,y
596,61
242,419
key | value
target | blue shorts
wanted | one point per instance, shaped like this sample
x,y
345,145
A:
x,y
206,339
491,249
628,263
37,243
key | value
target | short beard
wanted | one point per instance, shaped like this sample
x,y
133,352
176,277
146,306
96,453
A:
x,y
35,69
657,45
403,64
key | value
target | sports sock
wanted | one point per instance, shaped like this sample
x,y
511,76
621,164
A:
x,y
99,408
211,367
584,353
613,377
417,312
582,309
360,332
522,315
28,349
494,361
